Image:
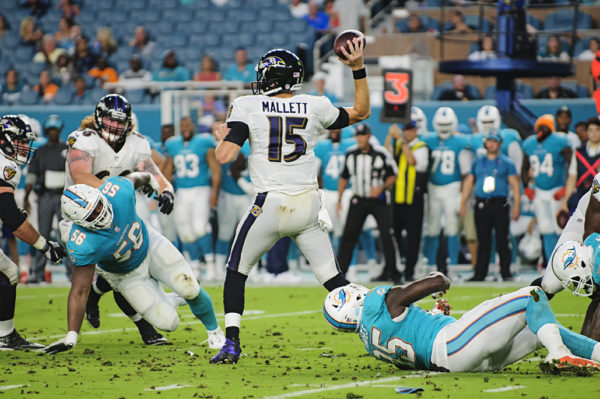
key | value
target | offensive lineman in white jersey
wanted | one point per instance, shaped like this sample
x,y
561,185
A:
x,y
283,130
105,146
16,138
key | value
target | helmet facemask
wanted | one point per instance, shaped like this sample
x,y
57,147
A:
x,y
343,307
113,118
572,265
87,207
16,139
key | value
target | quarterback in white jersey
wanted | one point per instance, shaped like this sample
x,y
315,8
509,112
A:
x,y
16,138
283,129
106,146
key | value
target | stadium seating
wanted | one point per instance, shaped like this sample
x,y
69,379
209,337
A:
x,y
524,91
428,22
437,90
563,19
473,22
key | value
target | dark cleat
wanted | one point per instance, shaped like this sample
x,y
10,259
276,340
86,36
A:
x,y
229,353
149,335
14,341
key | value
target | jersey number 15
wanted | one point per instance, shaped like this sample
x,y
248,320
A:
x,y
284,127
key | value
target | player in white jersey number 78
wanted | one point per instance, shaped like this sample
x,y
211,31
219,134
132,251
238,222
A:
x,y
283,130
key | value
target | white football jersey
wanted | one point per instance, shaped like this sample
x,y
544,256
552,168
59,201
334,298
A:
x,y
107,162
11,173
283,134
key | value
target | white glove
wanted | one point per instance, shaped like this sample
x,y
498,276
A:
x,y
325,222
62,345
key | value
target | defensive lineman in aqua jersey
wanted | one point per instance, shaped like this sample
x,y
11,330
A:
x,y
131,256
490,336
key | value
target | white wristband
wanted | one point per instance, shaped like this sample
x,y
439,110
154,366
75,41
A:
x,y
40,243
71,338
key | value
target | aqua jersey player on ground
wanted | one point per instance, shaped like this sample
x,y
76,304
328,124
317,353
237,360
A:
x,y
131,256
490,336
283,130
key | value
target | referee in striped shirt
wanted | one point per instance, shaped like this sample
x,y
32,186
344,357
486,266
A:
x,y
371,170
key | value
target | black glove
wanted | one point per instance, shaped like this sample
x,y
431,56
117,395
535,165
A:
x,y
53,251
63,344
57,347
165,202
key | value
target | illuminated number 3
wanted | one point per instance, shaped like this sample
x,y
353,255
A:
x,y
276,133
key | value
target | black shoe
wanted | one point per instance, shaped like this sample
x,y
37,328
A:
x,y
149,335
475,279
509,278
14,341
92,313
229,353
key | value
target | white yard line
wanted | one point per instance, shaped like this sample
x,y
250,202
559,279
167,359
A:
x,y
255,317
504,389
348,385
167,388
7,387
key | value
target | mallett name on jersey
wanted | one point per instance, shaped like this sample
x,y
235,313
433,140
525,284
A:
x,y
284,108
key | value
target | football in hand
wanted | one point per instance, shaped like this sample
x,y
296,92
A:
x,y
562,218
342,41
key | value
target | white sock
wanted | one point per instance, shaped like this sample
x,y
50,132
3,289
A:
x,y
596,353
549,335
136,317
233,320
6,327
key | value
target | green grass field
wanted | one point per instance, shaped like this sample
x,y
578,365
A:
x,y
290,351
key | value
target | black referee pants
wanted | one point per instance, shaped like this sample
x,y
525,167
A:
x,y
492,213
360,208
409,218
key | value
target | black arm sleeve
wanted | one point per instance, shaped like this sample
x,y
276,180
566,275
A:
x,y
342,120
9,212
238,134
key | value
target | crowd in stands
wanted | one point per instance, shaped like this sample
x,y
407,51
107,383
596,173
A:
x,y
50,47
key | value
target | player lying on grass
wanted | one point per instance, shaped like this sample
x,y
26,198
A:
x,y
490,336
132,257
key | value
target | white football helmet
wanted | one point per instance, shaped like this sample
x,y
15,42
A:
x,y
572,265
417,115
86,206
343,307
445,122
488,119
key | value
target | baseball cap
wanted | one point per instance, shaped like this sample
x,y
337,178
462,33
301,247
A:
x,y
494,135
53,122
362,129
564,110
409,125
